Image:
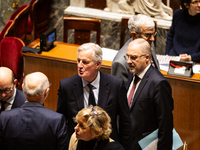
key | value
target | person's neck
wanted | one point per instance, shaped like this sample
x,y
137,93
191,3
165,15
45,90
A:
x,y
192,13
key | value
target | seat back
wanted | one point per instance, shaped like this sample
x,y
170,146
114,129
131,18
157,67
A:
x,y
40,14
124,30
20,18
7,30
11,56
82,29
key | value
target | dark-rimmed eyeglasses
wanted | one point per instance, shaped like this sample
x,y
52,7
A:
x,y
7,90
132,57
148,35
195,3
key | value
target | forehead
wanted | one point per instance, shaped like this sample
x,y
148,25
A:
x,y
133,49
147,30
85,54
82,120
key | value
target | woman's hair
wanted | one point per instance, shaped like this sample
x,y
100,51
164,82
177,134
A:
x,y
181,2
98,121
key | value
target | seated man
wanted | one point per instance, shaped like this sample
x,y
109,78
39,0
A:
x,y
10,96
32,126
140,26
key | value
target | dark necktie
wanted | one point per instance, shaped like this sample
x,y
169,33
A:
x,y
91,100
130,96
2,106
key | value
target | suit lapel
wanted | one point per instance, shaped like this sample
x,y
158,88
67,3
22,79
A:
x,y
104,90
141,86
78,92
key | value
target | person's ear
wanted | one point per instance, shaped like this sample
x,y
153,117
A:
x,y
98,64
134,35
147,57
15,82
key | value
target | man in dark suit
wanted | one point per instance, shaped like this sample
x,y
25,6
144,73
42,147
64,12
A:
x,y
150,99
140,26
10,96
109,93
32,126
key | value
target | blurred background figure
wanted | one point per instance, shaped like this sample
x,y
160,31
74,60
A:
x,y
183,37
92,131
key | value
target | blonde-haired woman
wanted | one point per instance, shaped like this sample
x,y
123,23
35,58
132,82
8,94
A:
x,y
92,131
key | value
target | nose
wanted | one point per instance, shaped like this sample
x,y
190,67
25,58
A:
x,y
3,95
152,38
80,64
76,128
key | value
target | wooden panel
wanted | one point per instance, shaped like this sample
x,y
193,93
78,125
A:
x,y
98,4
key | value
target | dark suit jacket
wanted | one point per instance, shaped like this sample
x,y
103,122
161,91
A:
x,y
151,109
19,99
32,127
119,65
112,98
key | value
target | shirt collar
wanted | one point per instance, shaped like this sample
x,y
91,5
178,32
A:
x,y
141,74
94,83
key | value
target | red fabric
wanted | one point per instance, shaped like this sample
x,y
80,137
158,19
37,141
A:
x,y
12,17
11,56
5,28
29,26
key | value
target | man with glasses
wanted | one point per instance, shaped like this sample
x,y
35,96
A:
x,y
32,126
140,26
10,96
149,97
183,37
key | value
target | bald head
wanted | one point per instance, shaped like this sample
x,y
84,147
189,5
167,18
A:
x,y
145,48
7,82
6,76
35,84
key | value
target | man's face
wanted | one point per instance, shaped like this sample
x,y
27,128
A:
x,y
137,62
87,69
6,89
148,35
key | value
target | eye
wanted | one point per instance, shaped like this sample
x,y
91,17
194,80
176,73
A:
x,y
85,62
134,57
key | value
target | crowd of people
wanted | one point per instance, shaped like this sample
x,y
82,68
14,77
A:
x,y
99,111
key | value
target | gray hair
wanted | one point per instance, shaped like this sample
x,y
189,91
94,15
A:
x,y
37,91
135,22
97,55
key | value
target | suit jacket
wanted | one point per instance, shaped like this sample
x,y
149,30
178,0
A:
x,y
151,109
32,127
112,98
119,65
19,99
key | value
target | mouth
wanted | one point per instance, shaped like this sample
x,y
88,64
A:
x,y
77,136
